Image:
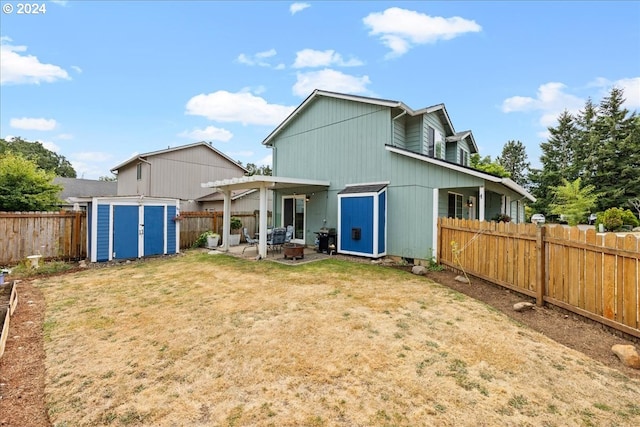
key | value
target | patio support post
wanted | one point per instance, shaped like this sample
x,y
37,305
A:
x,y
226,220
481,203
262,240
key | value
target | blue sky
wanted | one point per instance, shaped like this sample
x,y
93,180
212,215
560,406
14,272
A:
x,y
101,81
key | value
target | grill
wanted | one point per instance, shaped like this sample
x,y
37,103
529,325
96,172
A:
x,y
327,240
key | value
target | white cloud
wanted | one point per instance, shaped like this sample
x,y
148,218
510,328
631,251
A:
x,y
630,86
210,133
76,69
322,58
330,80
236,154
298,7
92,156
400,29
241,107
18,68
265,161
550,102
51,146
64,136
33,124
257,58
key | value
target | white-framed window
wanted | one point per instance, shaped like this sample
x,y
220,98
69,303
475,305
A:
x,y
139,171
455,205
464,157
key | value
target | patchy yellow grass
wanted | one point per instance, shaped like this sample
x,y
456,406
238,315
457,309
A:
x,y
201,340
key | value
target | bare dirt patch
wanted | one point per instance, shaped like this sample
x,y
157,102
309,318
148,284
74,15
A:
x,y
306,369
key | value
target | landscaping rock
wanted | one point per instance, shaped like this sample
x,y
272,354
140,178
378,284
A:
x,y
522,306
627,355
419,270
462,279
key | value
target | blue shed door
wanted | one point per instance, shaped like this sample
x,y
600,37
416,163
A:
x,y
153,230
357,214
125,232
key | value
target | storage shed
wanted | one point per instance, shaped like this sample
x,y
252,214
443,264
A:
x,y
362,219
132,227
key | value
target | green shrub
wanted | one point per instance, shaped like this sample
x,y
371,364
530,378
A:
x,y
202,239
629,218
236,224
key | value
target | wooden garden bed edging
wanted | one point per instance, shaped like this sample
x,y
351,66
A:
x,y
9,307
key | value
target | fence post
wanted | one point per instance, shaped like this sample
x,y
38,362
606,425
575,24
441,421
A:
x,y
541,268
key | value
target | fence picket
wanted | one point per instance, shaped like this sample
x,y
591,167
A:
x,y
595,275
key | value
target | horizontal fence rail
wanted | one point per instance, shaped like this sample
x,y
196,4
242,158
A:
x,y
592,274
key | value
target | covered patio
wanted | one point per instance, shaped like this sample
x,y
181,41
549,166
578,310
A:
x,y
261,183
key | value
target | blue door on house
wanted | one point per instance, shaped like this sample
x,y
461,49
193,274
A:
x,y
125,231
153,230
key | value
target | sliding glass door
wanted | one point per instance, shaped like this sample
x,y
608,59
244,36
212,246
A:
x,y
293,213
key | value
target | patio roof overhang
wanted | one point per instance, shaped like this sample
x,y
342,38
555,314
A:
x,y
261,183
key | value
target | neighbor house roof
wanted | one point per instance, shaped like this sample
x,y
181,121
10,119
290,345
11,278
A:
x,y
439,109
75,187
144,156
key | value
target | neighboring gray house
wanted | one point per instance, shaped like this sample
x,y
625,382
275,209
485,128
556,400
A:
x,y
378,172
177,173
75,188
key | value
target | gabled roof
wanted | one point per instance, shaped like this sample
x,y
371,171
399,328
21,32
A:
x,y
459,136
144,156
75,187
438,109
507,182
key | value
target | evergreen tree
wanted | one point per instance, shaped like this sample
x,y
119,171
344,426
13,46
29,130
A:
x,y
616,164
557,162
26,187
45,159
514,160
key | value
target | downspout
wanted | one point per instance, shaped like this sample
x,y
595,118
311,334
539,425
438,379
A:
x,y
393,126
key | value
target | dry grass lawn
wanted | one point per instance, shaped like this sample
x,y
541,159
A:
x,y
201,340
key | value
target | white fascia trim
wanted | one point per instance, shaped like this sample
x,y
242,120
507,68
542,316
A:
x,y
257,181
444,164
509,183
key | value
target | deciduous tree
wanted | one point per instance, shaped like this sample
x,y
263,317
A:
x,y
26,187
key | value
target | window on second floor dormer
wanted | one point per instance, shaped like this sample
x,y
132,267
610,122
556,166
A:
x,y
464,157
431,138
139,171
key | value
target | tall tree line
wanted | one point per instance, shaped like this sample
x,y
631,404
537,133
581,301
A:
x,y
600,145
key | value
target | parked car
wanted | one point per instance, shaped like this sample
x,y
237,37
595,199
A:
x,y
537,219
592,219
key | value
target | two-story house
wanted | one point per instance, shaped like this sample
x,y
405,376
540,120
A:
x,y
376,171
177,172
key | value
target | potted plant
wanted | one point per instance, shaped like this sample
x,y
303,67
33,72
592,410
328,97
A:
x,y
236,225
208,238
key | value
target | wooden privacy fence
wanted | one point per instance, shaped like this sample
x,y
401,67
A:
x,y
59,235
63,235
192,224
592,274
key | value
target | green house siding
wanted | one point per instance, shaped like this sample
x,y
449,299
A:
x,y
343,142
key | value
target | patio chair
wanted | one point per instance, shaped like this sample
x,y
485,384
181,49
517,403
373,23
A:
x,y
250,241
277,239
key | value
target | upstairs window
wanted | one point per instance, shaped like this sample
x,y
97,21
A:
x,y
139,171
464,158
431,138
